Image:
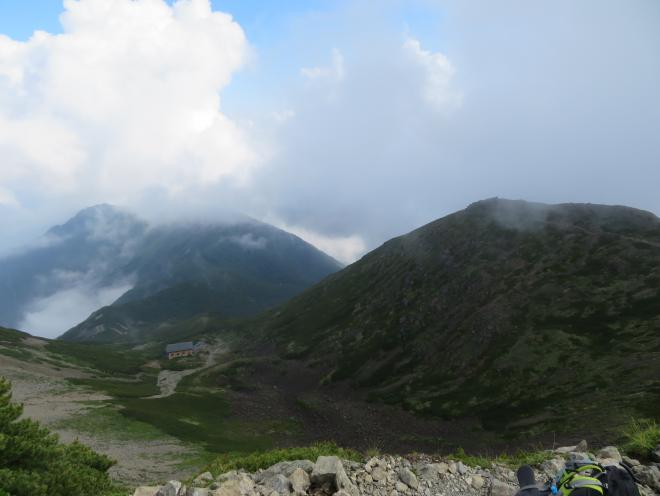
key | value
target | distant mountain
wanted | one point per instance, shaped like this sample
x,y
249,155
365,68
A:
x,y
233,270
152,275
520,314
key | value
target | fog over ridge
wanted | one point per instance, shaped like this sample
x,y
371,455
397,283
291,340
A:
x,y
376,125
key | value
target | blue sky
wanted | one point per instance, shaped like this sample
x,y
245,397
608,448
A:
x,y
272,28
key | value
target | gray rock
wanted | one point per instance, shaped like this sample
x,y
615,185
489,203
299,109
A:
x,y
284,468
373,462
610,452
431,471
203,480
582,446
477,482
649,476
231,475
500,488
329,471
278,483
239,485
408,478
461,468
630,461
146,491
378,474
552,467
198,491
300,481
400,487
172,488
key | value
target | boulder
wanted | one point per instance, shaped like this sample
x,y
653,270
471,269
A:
x,y
278,483
329,472
431,471
284,468
373,462
198,491
500,488
400,487
238,485
477,482
649,476
300,481
204,478
408,478
461,468
172,488
146,491
610,453
378,474
552,467
582,446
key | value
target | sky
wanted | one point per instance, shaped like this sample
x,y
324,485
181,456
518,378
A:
x,y
345,122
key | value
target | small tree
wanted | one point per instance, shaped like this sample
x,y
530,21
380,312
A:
x,y
34,463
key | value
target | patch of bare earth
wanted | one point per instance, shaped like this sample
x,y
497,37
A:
x,y
48,398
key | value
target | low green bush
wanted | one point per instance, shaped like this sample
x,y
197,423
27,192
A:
x,y
252,462
641,437
34,463
513,461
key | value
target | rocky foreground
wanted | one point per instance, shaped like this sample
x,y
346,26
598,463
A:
x,y
392,476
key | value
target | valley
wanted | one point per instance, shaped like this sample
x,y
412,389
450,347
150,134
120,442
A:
x,y
481,332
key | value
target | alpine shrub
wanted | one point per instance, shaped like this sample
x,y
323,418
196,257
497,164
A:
x,y
34,463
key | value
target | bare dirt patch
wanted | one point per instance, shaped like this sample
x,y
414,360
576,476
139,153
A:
x,y
48,398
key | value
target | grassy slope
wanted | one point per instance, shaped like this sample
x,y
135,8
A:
x,y
194,414
523,315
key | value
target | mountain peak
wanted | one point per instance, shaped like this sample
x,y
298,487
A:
x,y
523,215
99,221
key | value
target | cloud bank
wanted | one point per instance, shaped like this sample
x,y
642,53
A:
x,y
350,126
126,99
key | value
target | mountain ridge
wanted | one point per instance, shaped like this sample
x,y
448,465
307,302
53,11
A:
x,y
106,257
467,316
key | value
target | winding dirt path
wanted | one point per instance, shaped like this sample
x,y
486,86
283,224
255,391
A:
x,y
168,380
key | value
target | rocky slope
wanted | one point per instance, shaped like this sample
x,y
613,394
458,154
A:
x,y
392,476
523,315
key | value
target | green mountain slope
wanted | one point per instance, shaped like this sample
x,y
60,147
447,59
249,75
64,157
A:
x,y
522,315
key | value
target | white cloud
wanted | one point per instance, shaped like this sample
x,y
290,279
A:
x,y
438,74
51,316
7,198
333,72
125,99
249,241
346,249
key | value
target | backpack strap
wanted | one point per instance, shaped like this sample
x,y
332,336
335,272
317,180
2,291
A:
x,y
583,481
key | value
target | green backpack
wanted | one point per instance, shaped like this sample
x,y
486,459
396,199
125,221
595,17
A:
x,y
580,478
